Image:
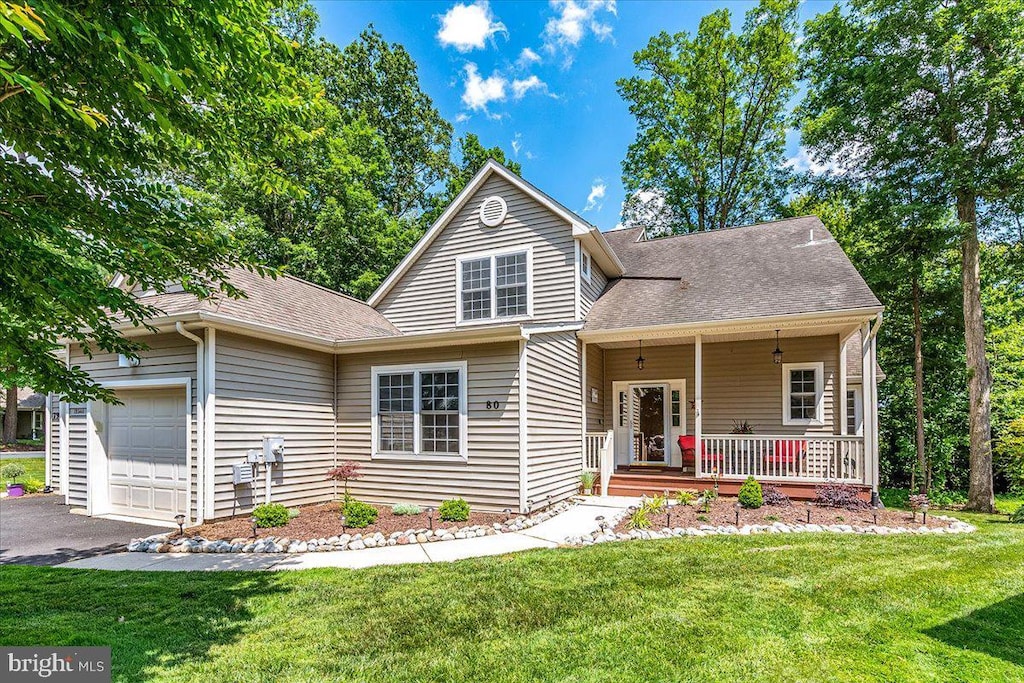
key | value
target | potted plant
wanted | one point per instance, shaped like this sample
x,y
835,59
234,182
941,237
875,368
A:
x,y
10,473
587,480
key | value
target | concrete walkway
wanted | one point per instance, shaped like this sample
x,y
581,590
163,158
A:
x,y
580,519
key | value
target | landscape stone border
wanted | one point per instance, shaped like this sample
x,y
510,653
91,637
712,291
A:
x,y
163,543
605,534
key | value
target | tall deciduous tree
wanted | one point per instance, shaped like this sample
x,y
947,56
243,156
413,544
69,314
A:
x,y
472,157
107,109
930,92
711,118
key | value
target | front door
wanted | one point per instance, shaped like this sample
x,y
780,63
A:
x,y
643,428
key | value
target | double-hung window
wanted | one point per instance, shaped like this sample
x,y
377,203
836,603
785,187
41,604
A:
x,y
803,393
494,286
420,410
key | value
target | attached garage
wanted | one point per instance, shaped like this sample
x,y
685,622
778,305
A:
x,y
147,454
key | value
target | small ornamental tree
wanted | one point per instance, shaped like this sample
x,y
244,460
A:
x,y
750,495
347,471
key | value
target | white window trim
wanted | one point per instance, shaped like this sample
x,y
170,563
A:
x,y
417,454
459,260
858,408
586,264
819,393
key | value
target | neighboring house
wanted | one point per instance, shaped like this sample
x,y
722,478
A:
x,y
495,363
31,413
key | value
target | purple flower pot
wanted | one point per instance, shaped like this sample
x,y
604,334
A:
x,y
15,490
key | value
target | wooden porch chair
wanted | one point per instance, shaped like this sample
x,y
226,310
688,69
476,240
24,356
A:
x,y
786,455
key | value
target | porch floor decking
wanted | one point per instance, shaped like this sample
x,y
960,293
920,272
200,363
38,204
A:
x,y
651,481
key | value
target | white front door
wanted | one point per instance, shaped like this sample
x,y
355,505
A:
x,y
147,454
649,419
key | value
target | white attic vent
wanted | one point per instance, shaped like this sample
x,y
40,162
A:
x,y
493,211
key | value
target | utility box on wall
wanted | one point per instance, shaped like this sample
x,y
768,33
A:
x,y
241,473
273,449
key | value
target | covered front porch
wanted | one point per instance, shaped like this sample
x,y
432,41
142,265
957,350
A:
x,y
666,411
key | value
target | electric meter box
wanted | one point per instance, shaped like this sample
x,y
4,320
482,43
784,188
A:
x,y
273,449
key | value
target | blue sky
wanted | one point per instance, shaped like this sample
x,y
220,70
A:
x,y
537,78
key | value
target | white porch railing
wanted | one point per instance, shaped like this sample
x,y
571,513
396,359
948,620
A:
x,y
797,458
599,456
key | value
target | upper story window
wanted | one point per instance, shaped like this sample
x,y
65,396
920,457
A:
x,y
494,286
803,393
585,265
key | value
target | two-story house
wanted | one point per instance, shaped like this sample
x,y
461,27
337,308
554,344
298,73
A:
x,y
515,346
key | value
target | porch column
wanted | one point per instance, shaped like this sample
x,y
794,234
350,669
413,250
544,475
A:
x,y
874,417
583,403
870,457
698,408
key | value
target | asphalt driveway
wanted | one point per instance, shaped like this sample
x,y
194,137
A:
x,y
39,530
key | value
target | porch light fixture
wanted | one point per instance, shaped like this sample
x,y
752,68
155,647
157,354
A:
x,y
777,353
179,519
640,358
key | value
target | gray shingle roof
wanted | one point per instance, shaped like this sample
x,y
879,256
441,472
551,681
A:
x,y
28,399
758,270
287,303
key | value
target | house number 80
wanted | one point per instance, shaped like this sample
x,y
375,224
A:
x,y
493,405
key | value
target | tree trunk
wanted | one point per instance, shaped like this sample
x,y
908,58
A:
x,y
924,483
11,416
980,496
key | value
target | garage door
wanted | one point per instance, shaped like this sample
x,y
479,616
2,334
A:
x,y
146,447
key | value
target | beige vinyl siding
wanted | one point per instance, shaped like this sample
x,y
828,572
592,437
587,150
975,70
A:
x,y
740,380
264,388
595,379
425,298
168,355
554,417
591,289
488,479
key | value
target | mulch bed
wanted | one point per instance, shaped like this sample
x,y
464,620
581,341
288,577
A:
x,y
723,513
323,521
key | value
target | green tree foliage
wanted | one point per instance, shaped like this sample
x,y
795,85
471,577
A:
x,y
929,94
107,109
473,155
711,117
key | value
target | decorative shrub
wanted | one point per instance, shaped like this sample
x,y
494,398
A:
x,y
773,495
750,494
347,471
706,498
838,496
686,496
588,479
12,472
455,510
654,504
406,509
917,501
270,515
640,518
33,486
743,427
293,513
359,514
1018,516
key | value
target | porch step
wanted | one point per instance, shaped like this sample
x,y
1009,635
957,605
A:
x,y
640,484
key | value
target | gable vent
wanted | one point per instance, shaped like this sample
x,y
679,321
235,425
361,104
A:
x,y
493,211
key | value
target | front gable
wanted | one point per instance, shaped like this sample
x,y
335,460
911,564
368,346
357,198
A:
x,y
423,295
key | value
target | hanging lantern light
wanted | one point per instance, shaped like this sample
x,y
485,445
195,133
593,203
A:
x,y
777,353
640,358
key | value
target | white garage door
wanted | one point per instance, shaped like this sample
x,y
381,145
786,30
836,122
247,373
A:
x,y
146,447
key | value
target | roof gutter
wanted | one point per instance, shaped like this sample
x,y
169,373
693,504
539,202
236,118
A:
x,y
713,327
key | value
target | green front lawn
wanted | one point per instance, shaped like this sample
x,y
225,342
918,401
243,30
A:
x,y
35,468
763,608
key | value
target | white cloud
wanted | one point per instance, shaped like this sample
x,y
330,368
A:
x,y
522,86
479,92
526,58
803,162
468,27
574,19
595,200
461,117
517,144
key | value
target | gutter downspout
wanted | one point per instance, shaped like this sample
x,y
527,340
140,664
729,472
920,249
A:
x,y
200,416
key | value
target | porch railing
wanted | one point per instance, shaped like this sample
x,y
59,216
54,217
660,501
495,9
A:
x,y
599,456
806,458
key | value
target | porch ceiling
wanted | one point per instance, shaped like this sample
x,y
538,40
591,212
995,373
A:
x,y
651,338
